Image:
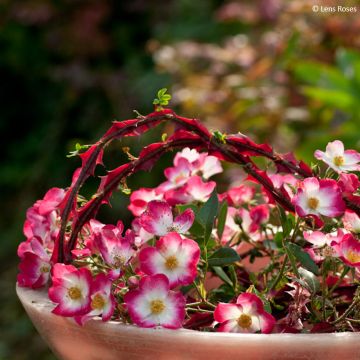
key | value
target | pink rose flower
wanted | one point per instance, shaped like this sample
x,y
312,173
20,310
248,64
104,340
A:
x,y
35,264
318,197
102,301
239,195
349,250
203,163
139,200
158,219
115,249
173,256
199,190
70,290
339,159
42,219
177,176
154,304
351,221
246,316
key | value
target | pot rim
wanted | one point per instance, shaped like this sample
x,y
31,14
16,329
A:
x,y
38,300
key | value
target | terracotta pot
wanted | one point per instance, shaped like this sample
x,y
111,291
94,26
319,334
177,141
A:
x,y
112,340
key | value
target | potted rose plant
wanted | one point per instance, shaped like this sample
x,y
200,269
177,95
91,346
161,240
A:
x,y
268,267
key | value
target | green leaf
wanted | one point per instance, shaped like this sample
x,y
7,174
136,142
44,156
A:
x,y
162,98
222,275
161,92
222,219
270,244
223,293
303,257
207,215
78,148
347,61
340,99
193,207
322,76
223,256
278,239
287,222
311,282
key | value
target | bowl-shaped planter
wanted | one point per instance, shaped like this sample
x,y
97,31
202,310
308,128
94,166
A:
x,y
115,341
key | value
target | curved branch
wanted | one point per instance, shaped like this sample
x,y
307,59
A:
x,y
233,148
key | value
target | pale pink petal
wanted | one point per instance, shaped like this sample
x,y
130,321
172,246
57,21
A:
x,y
335,148
211,167
191,155
239,195
158,218
224,312
351,221
316,238
140,198
250,303
229,326
179,174
184,221
267,322
199,190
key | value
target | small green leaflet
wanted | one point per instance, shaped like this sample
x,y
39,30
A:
x,y
162,98
222,219
223,256
207,215
303,257
309,280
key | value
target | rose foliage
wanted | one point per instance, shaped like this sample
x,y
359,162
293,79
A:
x,y
278,251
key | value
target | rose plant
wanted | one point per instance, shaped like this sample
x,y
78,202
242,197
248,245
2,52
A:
x,y
278,252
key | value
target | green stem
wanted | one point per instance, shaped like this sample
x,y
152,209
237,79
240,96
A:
x,y
280,274
292,261
348,311
324,293
338,282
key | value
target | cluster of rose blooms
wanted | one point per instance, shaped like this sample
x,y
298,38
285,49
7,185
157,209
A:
x,y
140,274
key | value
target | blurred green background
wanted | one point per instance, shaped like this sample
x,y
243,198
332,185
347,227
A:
x,y
273,69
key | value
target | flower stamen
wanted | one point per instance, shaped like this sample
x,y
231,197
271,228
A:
x,y
244,321
157,307
352,256
339,160
313,203
97,302
119,261
74,293
45,269
171,263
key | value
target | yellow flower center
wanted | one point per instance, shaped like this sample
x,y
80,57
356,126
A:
x,y
328,251
352,256
244,321
119,261
74,293
97,302
157,307
44,269
313,203
171,263
338,160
